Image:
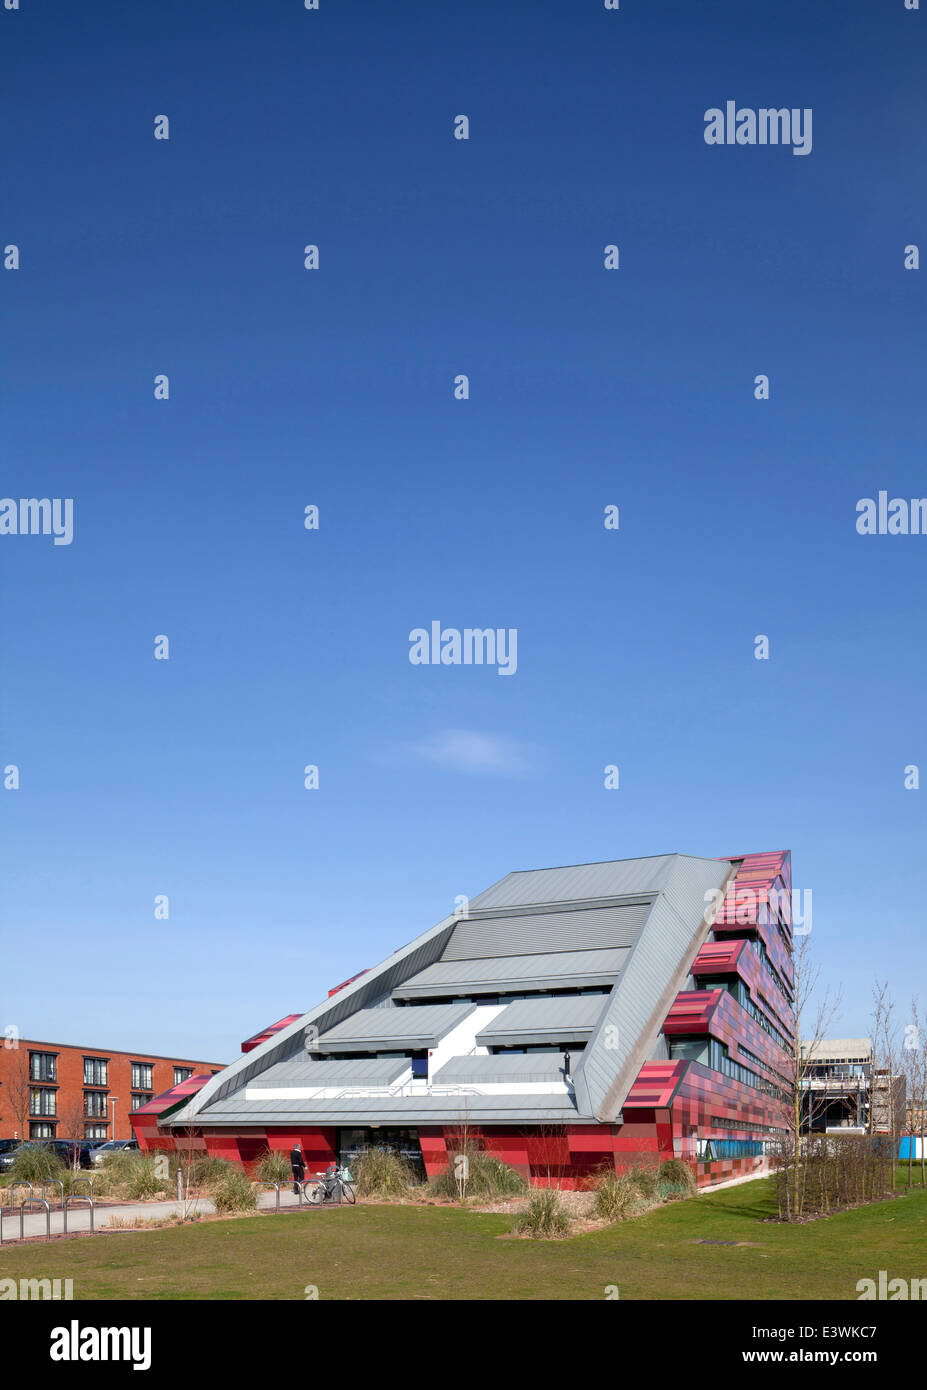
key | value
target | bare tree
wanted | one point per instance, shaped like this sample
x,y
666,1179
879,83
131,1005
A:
x,y
915,1072
812,1022
19,1084
883,1109
72,1116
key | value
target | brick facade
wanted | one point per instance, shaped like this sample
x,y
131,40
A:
x,y
71,1095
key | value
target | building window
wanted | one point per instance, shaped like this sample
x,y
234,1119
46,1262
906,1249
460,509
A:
x,y
182,1074
43,1066
43,1101
688,1050
140,1098
95,1071
141,1076
95,1132
94,1104
41,1131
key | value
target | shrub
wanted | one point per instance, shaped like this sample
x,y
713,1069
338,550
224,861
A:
x,y
143,1180
545,1218
36,1166
676,1179
130,1175
274,1166
647,1182
618,1197
232,1191
488,1178
379,1173
202,1169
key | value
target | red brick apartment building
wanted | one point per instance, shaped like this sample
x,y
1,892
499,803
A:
x,y
59,1091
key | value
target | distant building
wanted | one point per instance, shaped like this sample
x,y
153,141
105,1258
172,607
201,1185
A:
x,y
889,1101
841,1090
836,1084
572,1020
54,1090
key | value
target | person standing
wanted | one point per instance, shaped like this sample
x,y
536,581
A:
x,y
297,1163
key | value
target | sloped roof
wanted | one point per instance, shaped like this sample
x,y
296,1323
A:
x,y
416,1027
394,1110
514,931
555,970
612,878
661,914
503,1067
569,1018
301,1071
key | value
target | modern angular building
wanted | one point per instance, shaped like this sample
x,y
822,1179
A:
x,y
573,1019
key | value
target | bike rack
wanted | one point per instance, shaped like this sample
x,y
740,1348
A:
x,y
35,1202
55,1182
276,1186
79,1197
281,1187
20,1182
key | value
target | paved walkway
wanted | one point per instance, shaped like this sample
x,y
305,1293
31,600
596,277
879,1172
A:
x,y
34,1221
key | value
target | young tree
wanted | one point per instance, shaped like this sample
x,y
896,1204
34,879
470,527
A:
x,y
883,1109
914,1056
19,1085
71,1118
812,1022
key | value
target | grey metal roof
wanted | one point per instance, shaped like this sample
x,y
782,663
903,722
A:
x,y
612,878
646,973
560,969
397,1110
417,1026
570,1017
303,1070
514,933
653,974
505,1067
365,992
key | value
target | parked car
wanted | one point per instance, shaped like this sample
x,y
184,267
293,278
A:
x,y
113,1146
8,1146
64,1148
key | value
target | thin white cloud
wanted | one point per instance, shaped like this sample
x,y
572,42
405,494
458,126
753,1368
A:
x,y
463,750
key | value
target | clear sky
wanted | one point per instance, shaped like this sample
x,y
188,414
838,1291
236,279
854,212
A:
x,y
335,387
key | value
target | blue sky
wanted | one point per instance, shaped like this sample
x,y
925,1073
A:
x,y
334,387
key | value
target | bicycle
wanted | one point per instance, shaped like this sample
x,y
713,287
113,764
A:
x,y
335,1185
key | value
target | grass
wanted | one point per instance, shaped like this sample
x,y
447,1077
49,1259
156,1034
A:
x,y
447,1252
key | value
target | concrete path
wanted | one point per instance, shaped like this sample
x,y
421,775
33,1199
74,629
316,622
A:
x,y
34,1221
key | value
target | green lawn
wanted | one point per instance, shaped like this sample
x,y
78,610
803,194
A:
x,y
389,1252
